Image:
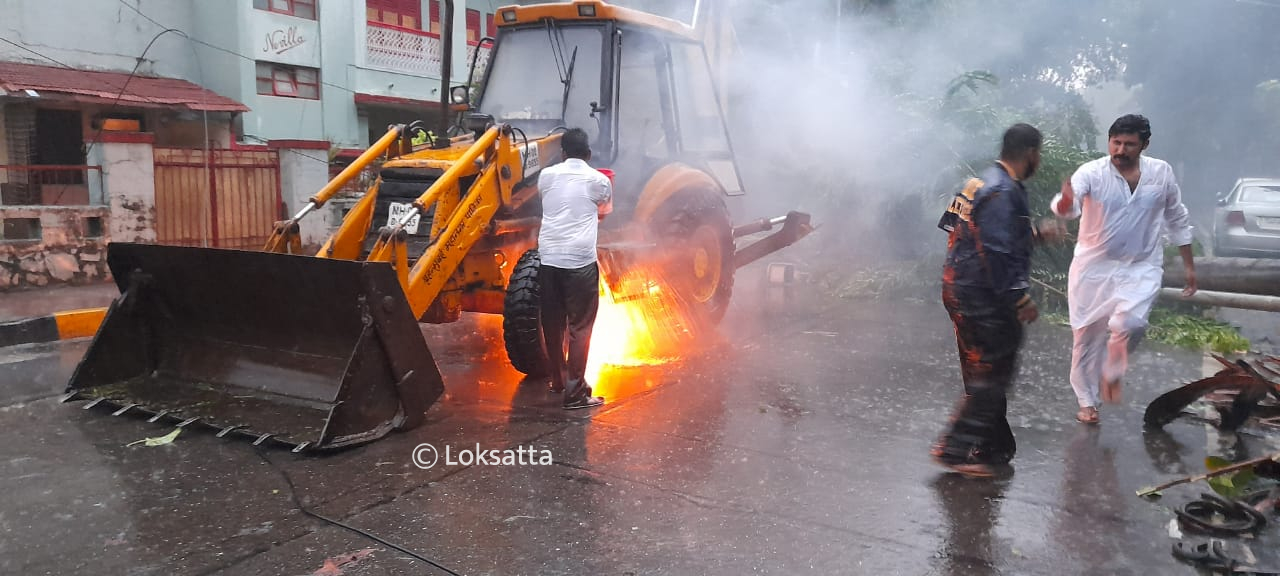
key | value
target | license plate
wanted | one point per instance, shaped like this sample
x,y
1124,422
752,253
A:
x,y
1269,223
397,211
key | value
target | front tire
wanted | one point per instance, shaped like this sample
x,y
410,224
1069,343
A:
x,y
695,227
522,317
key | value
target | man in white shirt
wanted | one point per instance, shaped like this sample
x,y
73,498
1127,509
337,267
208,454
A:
x,y
575,197
1126,203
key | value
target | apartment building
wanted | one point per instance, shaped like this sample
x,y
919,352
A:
x,y
198,121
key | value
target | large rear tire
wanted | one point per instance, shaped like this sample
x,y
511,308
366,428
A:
x,y
694,226
522,317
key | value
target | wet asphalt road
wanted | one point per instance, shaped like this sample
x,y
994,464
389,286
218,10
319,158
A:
x,y
797,444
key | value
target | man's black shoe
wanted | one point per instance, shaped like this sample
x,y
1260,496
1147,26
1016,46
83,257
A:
x,y
583,402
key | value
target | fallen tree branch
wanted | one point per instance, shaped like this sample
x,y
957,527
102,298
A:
x,y
1225,299
1154,490
1048,287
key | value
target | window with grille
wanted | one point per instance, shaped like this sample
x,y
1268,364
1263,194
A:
x,y
402,14
300,8
435,17
20,229
473,26
288,81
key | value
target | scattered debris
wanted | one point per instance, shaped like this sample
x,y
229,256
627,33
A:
x,y
1217,516
1155,490
160,441
1250,380
1231,485
333,566
511,519
1210,555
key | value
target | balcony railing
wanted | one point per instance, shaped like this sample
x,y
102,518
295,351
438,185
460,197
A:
x,y
50,185
402,50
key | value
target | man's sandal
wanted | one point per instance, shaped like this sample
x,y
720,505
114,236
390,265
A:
x,y
966,469
1087,415
1210,555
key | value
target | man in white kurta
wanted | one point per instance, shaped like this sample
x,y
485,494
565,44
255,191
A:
x,y
1127,203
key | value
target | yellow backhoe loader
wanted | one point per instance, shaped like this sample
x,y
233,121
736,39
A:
x,y
323,350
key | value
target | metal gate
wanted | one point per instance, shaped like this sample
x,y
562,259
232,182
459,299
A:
x,y
218,198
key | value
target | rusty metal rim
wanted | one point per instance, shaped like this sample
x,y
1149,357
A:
x,y
705,263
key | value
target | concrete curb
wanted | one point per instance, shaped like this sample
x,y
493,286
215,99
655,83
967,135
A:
x,y
57,326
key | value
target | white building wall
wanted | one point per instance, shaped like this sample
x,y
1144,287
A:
x,y
100,35
128,174
301,176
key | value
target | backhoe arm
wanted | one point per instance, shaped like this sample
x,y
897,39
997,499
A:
x,y
468,222
285,236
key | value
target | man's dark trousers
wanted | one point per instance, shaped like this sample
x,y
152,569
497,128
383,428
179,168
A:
x,y
988,336
570,300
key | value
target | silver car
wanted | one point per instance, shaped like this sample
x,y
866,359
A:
x,y
1247,219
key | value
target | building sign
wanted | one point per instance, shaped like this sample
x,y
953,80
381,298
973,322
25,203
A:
x,y
286,39
280,40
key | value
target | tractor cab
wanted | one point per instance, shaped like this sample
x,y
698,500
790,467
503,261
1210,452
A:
x,y
638,84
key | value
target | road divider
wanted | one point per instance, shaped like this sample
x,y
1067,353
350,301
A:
x,y
63,325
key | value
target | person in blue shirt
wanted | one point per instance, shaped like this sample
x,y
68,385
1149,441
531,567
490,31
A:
x,y
985,282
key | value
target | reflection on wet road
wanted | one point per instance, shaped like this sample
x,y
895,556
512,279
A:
x,y
796,441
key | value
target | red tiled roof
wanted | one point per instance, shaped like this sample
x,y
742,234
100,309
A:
x,y
89,86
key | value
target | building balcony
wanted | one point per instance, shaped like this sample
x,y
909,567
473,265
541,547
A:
x,y
402,50
391,48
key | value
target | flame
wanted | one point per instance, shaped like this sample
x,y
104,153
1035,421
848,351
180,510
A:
x,y
648,329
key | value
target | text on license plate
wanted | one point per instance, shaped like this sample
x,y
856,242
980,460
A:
x,y
1269,223
398,210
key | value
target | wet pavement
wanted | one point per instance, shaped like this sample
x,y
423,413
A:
x,y
798,443
16,305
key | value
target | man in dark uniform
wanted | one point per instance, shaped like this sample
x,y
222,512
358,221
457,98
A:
x,y
985,284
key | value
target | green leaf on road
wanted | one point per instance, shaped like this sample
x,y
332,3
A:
x,y
1231,485
161,441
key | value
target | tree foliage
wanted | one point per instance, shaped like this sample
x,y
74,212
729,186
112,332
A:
x,y
1204,71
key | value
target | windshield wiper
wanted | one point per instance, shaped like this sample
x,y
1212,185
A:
x,y
568,82
556,40
555,36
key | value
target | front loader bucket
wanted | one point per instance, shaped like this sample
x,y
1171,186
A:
x,y
308,352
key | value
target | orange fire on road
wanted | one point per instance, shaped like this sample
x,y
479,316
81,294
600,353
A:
x,y
651,328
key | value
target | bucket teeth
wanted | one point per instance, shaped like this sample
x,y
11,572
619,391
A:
x,y
153,416
123,409
223,433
